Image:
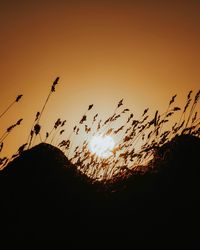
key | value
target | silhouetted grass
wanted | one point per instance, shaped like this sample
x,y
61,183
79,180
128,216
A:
x,y
10,106
36,127
137,138
4,160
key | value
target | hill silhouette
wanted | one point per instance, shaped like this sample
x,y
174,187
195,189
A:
x,y
45,197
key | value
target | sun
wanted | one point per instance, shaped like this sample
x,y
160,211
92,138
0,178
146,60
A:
x,y
102,146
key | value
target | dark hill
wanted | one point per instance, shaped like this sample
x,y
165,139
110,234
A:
x,y
44,197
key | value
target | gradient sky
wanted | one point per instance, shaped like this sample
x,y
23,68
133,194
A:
x,y
142,51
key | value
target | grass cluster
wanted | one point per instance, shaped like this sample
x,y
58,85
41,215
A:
x,y
136,138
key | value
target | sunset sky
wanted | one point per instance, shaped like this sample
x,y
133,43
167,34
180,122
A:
x,y
103,51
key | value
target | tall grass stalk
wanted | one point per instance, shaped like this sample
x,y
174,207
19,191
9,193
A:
x,y
10,106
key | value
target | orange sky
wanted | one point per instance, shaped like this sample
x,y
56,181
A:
x,y
142,51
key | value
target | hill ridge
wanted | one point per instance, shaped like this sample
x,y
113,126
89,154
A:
x,y
46,197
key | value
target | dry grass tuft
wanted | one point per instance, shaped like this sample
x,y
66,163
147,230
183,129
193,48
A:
x,y
136,139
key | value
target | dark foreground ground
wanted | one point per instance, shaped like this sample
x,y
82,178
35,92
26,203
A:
x,y
44,198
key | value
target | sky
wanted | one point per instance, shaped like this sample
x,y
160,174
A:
x,y
103,51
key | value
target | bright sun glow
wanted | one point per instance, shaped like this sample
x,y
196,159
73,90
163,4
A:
x,y
102,146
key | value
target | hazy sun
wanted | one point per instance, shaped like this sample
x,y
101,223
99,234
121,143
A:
x,y
102,146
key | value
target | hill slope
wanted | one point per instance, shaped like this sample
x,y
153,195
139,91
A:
x,y
44,197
